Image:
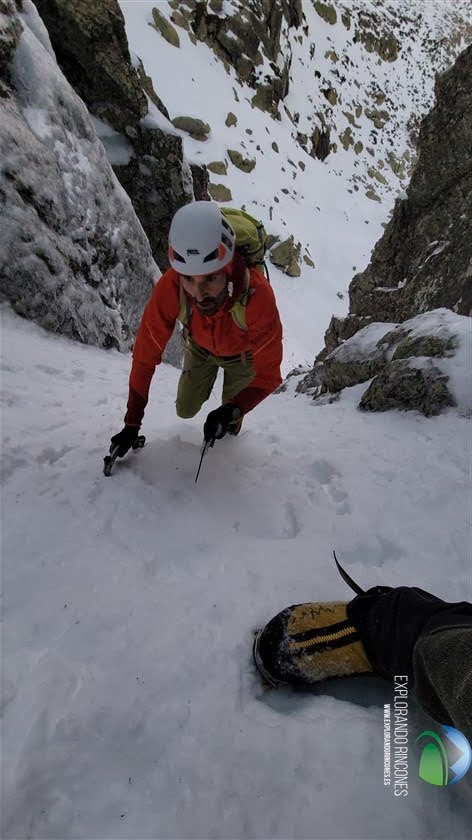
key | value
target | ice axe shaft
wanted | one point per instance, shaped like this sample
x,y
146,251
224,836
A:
x,y
110,459
207,444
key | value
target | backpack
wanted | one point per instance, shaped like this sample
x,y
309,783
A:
x,y
251,237
251,240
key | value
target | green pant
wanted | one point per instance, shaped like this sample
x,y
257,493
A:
x,y
443,676
198,376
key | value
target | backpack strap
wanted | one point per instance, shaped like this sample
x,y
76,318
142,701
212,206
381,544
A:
x,y
238,309
185,311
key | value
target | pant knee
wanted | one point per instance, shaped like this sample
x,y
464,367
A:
x,y
186,412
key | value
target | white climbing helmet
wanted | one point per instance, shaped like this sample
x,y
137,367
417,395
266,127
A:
x,y
201,240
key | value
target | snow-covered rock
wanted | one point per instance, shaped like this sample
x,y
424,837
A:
x,y
421,263
422,364
73,255
144,149
356,60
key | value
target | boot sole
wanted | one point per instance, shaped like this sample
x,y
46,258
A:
x,y
258,663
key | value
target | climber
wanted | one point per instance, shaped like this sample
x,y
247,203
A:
x,y
230,321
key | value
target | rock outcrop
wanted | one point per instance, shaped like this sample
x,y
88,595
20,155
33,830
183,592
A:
x,y
286,256
244,39
90,44
10,34
268,46
407,386
344,119
408,366
73,255
423,261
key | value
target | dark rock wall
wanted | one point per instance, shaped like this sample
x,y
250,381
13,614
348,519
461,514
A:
x,y
73,255
424,259
91,47
9,38
90,44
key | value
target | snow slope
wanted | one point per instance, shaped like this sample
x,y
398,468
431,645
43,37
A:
x,y
325,206
130,704
130,707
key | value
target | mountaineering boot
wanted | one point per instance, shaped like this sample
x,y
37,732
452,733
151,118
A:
x,y
307,643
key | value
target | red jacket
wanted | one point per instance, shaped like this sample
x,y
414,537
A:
x,y
219,334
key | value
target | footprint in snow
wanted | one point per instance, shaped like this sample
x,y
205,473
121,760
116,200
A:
x,y
50,455
292,526
330,479
51,371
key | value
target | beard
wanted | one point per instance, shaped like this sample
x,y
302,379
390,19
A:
x,y
210,305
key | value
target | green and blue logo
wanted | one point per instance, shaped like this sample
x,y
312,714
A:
x,y
445,758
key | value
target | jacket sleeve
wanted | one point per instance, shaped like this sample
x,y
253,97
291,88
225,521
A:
x,y
390,622
265,333
155,330
409,632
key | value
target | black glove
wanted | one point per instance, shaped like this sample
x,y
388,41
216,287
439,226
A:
x,y
125,439
217,422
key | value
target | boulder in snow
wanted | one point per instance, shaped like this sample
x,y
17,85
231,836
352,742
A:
x,y
165,28
406,384
400,358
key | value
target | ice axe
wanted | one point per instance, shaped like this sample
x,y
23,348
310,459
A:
x,y
110,459
207,444
347,578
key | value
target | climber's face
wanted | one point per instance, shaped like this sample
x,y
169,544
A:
x,y
207,291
